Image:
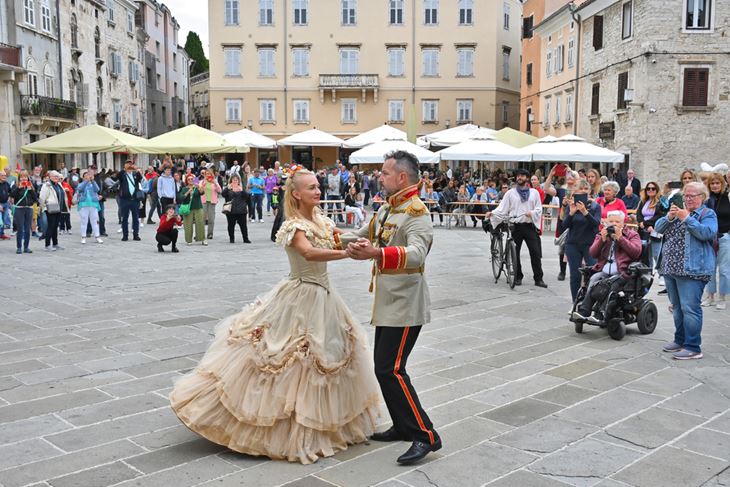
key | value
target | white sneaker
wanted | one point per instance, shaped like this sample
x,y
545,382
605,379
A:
x,y
205,242
661,281
83,240
721,306
261,221
141,225
99,240
119,231
707,302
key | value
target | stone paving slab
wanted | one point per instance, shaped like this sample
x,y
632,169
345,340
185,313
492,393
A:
x,y
518,398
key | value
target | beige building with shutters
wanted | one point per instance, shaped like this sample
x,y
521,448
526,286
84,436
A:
x,y
346,66
655,82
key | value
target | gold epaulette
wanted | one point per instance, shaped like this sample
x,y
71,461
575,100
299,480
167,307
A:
x,y
416,208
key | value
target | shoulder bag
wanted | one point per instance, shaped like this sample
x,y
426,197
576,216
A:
x,y
185,207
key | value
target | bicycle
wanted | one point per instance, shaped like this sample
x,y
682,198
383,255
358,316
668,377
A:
x,y
503,250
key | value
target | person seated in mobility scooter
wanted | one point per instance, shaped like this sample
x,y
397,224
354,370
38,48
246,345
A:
x,y
617,250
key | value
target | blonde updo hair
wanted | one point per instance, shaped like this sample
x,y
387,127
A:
x,y
291,205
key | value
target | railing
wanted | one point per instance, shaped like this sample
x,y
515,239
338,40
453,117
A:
x,y
9,55
47,107
348,81
198,78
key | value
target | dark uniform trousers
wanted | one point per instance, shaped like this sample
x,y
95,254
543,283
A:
x,y
392,348
527,232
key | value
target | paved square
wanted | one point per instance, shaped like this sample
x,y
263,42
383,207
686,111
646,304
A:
x,y
92,337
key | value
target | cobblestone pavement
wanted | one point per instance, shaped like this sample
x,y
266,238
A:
x,y
92,337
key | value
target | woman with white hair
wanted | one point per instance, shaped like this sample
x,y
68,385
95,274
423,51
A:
x,y
52,200
610,200
687,262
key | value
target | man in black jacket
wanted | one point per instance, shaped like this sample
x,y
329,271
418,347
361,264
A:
x,y
130,192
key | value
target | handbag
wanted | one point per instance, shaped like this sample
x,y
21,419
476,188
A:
x,y
185,207
227,207
53,207
560,241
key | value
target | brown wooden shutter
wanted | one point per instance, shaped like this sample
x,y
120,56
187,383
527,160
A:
x,y
695,87
595,98
623,84
598,32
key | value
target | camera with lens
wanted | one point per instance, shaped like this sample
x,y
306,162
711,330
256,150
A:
x,y
610,230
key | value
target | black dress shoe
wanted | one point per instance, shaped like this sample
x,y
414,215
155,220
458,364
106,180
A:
x,y
125,239
136,238
663,291
561,276
540,284
518,282
391,434
417,451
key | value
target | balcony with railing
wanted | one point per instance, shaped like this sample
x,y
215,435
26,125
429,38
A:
x,y
10,55
45,107
362,82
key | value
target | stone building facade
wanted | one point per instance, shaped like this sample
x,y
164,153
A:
x,y
655,82
199,100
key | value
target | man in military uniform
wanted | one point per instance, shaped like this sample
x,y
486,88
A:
x,y
398,240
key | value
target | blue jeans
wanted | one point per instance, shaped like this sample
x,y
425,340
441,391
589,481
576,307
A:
x,y
269,201
23,218
685,294
126,206
7,213
656,247
256,206
577,254
723,266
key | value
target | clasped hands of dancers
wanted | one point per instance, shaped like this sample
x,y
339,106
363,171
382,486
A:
x,y
290,376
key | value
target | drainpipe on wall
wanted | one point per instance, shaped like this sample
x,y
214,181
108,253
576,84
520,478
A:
x,y
60,59
577,19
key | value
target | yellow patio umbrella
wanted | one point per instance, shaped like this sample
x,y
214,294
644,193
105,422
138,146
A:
x,y
515,138
190,139
87,139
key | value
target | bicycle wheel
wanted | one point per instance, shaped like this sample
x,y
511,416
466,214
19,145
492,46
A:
x,y
497,250
510,256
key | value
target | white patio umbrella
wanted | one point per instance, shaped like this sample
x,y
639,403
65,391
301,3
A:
x,y
312,137
375,153
483,148
456,135
250,138
384,132
570,148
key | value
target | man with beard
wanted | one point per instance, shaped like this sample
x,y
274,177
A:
x,y
522,206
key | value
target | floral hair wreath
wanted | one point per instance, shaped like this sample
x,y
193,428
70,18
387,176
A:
x,y
294,168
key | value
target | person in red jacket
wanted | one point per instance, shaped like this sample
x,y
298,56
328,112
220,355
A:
x,y
614,248
64,224
166,232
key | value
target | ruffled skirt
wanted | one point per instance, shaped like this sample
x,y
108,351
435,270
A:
x,y
289,377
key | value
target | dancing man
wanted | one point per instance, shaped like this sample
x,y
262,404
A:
x,y
398,240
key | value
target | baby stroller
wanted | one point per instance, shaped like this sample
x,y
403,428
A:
x,y
619,302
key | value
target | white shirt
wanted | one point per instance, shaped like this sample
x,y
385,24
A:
x,y
512,206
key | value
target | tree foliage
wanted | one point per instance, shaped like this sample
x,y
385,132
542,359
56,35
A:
x,y
194,48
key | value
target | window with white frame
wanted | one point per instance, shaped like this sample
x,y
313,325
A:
x,y
233,110
506,51
396,109
466,12
505,16
117,112
133,71
130,22
349,60
29,12
45,16
232,57
549,63
396,12
31,83
430,12
396,61
110,10
266,12
301,12
49,79
301,111
232,12
571,52
430,111
505,112
115,63
349,110
430,62
559,58
135,116
698,14
300,57
464,110
465,61
558,102
546,113
568,107
266,62
174,61
349,8
627,16
267,110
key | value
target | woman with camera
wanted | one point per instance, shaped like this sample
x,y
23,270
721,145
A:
x,y
687,262
166,232
236,208
189,198
649,212
23,196
720,202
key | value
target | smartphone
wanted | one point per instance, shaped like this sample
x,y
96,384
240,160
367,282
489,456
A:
x,y
581,197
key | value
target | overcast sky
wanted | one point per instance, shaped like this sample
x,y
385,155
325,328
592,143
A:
x,y
191,15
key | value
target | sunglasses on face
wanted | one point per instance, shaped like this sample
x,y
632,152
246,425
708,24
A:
x,y
652,189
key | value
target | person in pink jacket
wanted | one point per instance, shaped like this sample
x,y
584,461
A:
x,y
209,191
